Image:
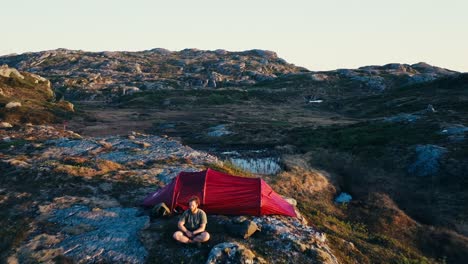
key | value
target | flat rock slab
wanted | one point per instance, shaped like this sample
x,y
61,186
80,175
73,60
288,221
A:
x,y
111,235
144,148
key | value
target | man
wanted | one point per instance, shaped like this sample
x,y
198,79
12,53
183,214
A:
x,y
192,224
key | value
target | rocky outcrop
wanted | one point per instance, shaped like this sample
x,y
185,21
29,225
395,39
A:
x,y
218,131
427,160
95,234
85,204
290,236
109,75
79,71
27,97
379,78
5,125
12,105
89,231
395,74
229,252
8,72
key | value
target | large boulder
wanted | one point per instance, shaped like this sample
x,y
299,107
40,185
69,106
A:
x,y
8,72
5,125
88,235
12,105
243,229
427,160
231,252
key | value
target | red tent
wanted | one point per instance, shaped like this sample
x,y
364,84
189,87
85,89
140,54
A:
x,y
221,193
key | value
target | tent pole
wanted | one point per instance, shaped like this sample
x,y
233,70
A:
x,y
204,187
260,199
174,192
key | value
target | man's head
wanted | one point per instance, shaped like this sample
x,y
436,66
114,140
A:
x,y
193,203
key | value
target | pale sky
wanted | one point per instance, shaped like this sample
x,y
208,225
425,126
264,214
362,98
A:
x,y
319,35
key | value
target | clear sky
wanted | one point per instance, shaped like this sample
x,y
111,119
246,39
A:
x,y
319,35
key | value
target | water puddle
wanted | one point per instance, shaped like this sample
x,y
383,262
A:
x,y
267,165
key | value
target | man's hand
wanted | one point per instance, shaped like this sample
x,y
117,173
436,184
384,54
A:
x,y
200,230
189,234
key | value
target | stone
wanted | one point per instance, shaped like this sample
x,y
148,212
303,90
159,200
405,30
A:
x,y
427,160
109,235
143,144
66,106
430,109
402,118
218,131
343,198
105,144
65,146
244,229
290,200
5,125
17,163
318,77
5,71
454,129
40,249
106,186
264,53
130,90
239,219
211,83
12,105
229,252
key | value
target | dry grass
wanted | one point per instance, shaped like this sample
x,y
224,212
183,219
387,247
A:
x,y
306,185
106,166
77,171
81,167
75,160
375,231
37,102
443,242
230,168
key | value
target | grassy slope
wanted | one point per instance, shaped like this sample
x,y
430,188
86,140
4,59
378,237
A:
x,y
38,104
372,157
445,94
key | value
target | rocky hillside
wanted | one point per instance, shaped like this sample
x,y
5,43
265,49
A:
x,y
128,72
392,138
69,199
357,83
105,75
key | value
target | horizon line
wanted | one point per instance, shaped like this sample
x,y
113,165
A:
x,y
231,51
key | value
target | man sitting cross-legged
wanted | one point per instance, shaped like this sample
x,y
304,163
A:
x,y
192,224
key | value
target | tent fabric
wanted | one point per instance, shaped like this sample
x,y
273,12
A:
x,y
221,193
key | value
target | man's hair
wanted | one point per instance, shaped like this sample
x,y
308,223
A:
x,y
194,198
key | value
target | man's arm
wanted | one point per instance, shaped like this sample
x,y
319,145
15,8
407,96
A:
x,y
201,229
181,225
